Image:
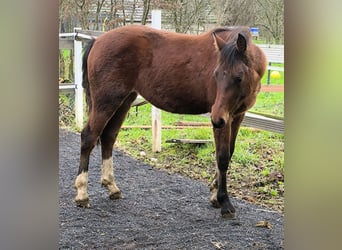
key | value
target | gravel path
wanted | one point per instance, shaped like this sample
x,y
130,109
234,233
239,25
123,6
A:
x,y
158,210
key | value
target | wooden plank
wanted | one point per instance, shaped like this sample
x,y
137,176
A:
x,y
272,88
264,123
193,124
193,141
261,122
163,127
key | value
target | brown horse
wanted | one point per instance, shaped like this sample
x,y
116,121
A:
x,y
218,72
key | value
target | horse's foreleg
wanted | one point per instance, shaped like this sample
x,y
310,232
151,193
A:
x,y
224,137
108,138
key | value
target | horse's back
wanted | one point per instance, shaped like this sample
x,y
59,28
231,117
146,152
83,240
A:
x,y
170,70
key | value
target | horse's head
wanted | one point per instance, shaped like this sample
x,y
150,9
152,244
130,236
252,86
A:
x,y
240,68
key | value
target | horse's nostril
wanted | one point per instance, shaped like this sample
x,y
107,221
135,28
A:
x,y
220,124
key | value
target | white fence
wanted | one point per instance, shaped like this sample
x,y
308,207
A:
x,y
274,54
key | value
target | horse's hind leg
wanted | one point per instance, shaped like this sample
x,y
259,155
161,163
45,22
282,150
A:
x,y
108,138
98,118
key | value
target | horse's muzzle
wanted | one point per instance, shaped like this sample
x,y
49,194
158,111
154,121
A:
x,y
219,124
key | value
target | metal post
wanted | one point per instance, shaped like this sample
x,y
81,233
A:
x,y
78,82
156,114
269,75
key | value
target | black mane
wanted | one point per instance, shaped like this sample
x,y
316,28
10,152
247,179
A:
x,y
230,53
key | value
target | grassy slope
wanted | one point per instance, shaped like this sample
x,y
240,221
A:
x,y
257,169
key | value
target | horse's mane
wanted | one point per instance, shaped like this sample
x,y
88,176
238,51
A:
x,y
230,53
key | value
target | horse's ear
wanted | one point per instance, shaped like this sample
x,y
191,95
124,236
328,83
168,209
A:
x,y
218,41
241,43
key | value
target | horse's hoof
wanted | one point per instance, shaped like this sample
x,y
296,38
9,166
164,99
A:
x,y
115,196
213,198
214,202
228,212
83,203
228,215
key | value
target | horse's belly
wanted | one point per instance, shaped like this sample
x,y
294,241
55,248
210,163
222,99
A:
x,y
179,105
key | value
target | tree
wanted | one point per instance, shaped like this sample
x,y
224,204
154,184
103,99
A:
x,y
271,18
98,10
82,10
234,12
186,15
146,9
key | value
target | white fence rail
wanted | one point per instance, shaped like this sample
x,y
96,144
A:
x,y
274,54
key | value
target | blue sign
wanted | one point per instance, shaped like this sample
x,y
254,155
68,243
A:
x,y
254,31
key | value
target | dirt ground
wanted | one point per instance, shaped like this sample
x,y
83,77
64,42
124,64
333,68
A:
x,y
158,210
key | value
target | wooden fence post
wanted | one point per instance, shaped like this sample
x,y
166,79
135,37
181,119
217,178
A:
x,y
156,114
78,82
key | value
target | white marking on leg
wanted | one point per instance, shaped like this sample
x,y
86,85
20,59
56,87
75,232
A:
x,y
107,177
81,184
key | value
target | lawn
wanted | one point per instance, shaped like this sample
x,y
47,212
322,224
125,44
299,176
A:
x,y
257,170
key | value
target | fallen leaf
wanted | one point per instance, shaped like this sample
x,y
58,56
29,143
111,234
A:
x,y
250,199
218,245
264,223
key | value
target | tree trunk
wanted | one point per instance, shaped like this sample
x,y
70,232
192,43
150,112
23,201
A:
x,y
123,12
145,11
133,11
98,11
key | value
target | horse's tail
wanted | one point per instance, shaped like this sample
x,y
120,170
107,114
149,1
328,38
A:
x,y
85,82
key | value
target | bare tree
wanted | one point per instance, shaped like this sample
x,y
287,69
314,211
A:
x,y
146,9
266,14
234,12
67,13
83,9
186,16
133,11
98,10
271,18
123,12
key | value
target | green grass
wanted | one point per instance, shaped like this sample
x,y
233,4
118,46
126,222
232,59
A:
x,y
257,168
270,104
66,59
